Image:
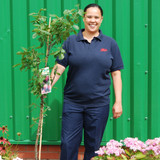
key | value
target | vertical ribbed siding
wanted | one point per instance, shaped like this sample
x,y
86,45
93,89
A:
x,y
155,68
19,16
133,24
6,62
131,68
149,66
12,106
140,68
122,26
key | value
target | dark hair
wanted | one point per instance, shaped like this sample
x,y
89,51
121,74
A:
x,y
93,5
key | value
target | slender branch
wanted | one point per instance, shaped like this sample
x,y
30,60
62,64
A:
x,y
36,144
47,51
42,97
40,145
38,130
41,125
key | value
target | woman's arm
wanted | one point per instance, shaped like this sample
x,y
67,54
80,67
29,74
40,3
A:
x,y
60,69
117,84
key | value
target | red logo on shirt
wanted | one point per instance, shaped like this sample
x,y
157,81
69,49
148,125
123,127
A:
x,y
104,50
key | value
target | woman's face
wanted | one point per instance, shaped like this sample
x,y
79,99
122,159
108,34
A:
x,y
92,19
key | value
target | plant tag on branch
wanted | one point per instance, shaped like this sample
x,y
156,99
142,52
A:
x,y
46,82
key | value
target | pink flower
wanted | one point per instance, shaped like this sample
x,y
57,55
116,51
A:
x,y
112,142
154,145
116,150
112,147
4,141
2,150
153,142
101,151
4,129
134,144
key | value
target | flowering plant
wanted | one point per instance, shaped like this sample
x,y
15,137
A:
x,y
130,149
6,147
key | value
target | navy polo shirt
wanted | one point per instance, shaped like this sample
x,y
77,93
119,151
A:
x,y
88,79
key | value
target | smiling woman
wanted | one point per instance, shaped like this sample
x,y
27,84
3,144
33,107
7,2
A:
x,y
92,21
91,56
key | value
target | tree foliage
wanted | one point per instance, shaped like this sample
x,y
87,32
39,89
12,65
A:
x,y
51,36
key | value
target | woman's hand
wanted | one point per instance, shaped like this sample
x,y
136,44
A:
x,y
56,75
117,110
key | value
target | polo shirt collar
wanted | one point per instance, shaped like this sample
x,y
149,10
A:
x,y
80,35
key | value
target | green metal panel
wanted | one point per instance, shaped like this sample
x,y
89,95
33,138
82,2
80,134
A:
x,y
121,33
21,96
6,61
154,69
140,68
134,24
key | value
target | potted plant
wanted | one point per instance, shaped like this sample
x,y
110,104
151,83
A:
x,y
6,151
130,149
50,35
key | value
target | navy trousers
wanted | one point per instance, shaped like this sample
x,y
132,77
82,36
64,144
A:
x,y
75,118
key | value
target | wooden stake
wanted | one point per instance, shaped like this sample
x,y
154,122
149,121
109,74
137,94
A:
x,y
40,145
42,98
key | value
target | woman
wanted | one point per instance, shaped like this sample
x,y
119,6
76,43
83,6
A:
x,y
91,56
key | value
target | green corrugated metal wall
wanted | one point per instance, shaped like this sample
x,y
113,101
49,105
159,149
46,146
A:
x,y
135,24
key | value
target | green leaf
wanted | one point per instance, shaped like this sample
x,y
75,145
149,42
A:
x,y
41,80
19,53
63,51
75,27
76,20
35,119
6,158
75,32
32,125
36,25
53,15
25,49
22,68
72,23
42,9
127,152
81,12
34,35
124,157
61,56
34,69
66,12
39,47
43,31
42,19
16,65
36,30
25,53
32,14
140,155
68,17
55,53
